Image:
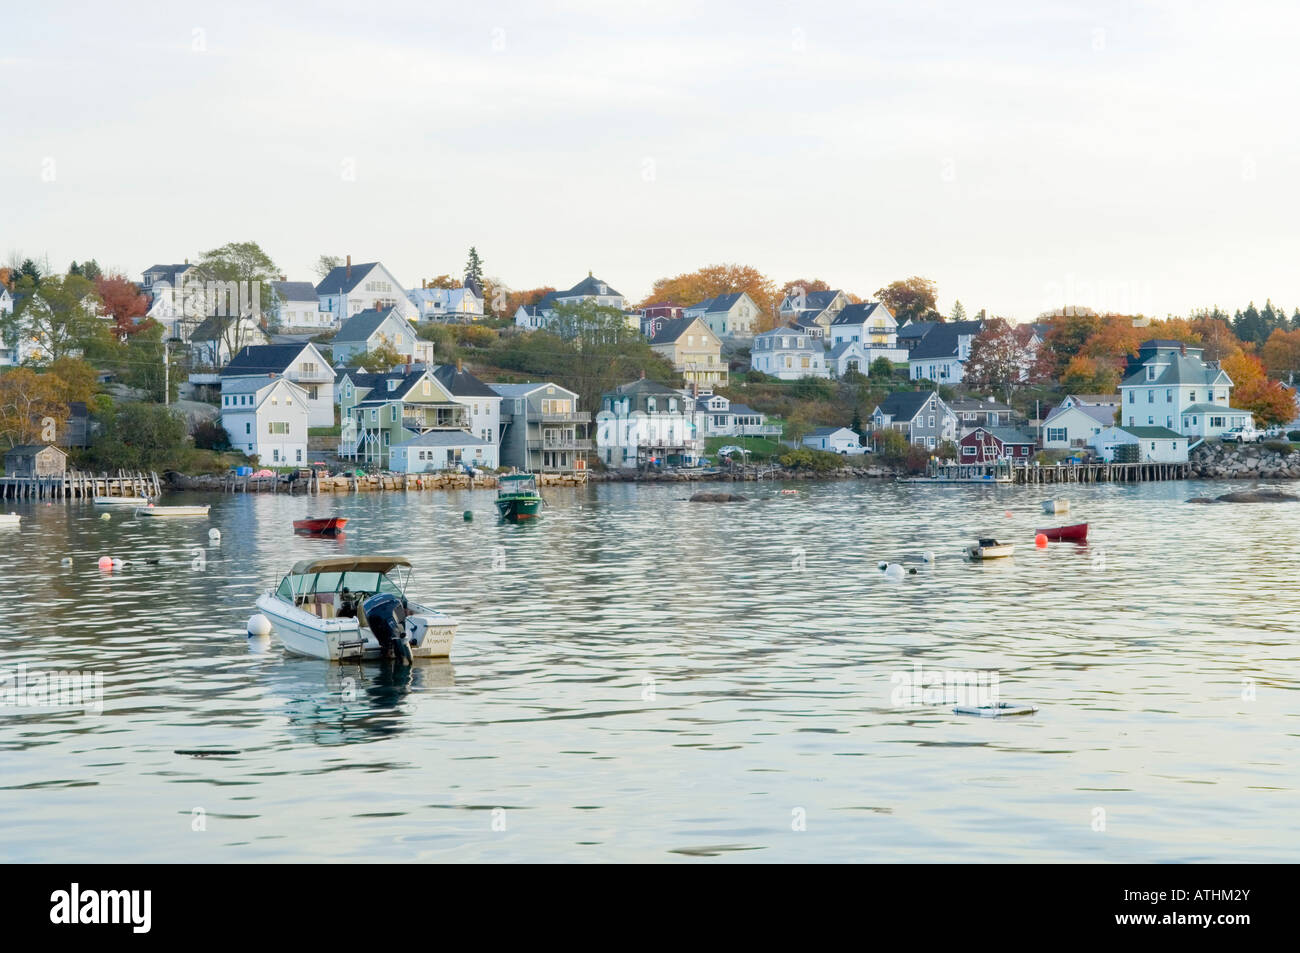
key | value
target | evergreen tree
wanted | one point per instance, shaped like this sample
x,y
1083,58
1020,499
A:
x,y
474,267
958,312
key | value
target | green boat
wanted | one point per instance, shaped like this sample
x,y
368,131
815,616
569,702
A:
x,y
517,497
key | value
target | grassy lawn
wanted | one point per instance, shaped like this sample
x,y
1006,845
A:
x,y
757,446
323,431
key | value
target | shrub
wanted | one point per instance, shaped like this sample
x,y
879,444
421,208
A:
x,y
891,445
1278,446
210,435
805,458
812,388
1293,435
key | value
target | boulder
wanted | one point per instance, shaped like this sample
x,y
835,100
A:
x,y
718,498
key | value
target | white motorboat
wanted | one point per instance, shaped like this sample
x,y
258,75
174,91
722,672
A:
x,y
990,549
354,607
164,511
1056,506
9,519
121,501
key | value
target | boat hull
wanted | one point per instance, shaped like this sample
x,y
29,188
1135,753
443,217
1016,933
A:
x,y
335,640
324,526
164,512
1001,551
121,501
1077,533
10,519
518,509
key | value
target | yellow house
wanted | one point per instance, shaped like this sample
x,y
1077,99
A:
x,y
694,351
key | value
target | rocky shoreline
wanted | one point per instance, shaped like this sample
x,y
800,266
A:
x,y
778,473
1224,461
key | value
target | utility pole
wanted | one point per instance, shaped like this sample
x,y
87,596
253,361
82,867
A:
x,y
167,375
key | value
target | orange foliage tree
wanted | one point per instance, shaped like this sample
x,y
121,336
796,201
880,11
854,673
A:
x,y
713,280
1281,353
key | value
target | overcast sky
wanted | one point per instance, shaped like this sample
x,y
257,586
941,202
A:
x,y
1129,156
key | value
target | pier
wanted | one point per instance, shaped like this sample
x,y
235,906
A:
x,y
1007,471
80,486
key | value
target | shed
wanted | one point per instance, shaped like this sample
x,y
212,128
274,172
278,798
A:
x,y
35,460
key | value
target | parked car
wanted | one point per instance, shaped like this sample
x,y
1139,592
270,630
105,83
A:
x,y
1242,435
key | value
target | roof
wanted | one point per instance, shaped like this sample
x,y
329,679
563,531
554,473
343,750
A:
x,y
338,282
461,383
444,438
816,301
348,564
941,341
826,431
263,359
358,328
588,286
976,403
644,386
214,326
917,329
523,390
1212,409
717,303
837,351
905,404
1096,398
1152,433
857,313
1009,434
250,385
31,449
666,332
744,410
1099,413
1178,369
295,291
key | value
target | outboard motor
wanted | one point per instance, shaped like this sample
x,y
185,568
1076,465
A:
x,y
386,615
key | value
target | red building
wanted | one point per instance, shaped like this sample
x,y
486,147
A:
x,y
988,444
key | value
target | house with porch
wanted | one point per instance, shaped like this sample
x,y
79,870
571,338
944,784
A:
x,y
922,416
871,325
350,289
302,364
480,400
456,305
788,354
975,412
717,416
644,423
692,348
267,417
990,444
436,450
397,408
727,315
542,430
1171,386
941,355
816,307
372,329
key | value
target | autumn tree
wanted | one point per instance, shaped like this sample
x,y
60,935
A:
x,y
1085,375
1000,356
804,285
911,299
713,280
444,281
123,302
1281,353
1267,399
28,401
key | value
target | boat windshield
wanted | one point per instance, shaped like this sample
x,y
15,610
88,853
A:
x,y
292,587
518,484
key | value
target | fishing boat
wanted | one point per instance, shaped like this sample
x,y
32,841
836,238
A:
x,y
321,525
347,607
121,501
10,519
165,511
517,497
1056,506
1078,533
990,549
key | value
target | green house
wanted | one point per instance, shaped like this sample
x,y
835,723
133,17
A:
x,y
384,410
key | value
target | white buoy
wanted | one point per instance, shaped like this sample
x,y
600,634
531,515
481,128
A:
x,y
214,535
928,556
894,572
106,516
65,561
118,564
259,626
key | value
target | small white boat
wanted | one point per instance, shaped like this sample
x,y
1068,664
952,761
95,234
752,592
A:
x,y
1056,506
342,607
990,549
121,501
161,511
995,711
9,519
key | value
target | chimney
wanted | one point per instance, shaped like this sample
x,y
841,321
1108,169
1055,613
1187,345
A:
x,y
1182,349
283,278
424,282
643,374
349,274
408,368
460,365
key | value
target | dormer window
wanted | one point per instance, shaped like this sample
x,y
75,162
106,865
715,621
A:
x,y
1151,372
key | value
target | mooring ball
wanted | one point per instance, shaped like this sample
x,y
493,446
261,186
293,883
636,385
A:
x,y
106,516
928,556
894,572
65,561
1041,540
882,566
259,626
119,563
214,535
469,516
106,562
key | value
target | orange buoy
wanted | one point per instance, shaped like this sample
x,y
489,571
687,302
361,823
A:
x,y
1041,540
1008,514
106,562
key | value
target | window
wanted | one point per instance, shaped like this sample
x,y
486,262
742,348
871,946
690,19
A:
x,y
248,428
275,454
280,427
1151,396
931,421
968,451
1057,435
1169,395
1192,397
1130,397
1151,421
300,455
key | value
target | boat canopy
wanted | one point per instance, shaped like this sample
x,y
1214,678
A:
x,y
381,564
517,476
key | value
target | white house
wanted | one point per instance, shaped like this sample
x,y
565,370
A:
x,y
813,307
788,354
941,354
295,307
442,450
592,289
302,364
461,304
350,289
644,422
1172,387
266,417
1154,444
1075,421
847,357
834,440
374,328
717,416
870,324
727,315
482,402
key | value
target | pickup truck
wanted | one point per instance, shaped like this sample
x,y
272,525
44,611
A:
x,y
1243,435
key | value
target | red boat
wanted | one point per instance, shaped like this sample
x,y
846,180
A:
x,y
1078,533
323,526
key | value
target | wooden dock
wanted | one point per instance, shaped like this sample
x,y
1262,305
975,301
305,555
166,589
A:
x,y
1101,472
74,485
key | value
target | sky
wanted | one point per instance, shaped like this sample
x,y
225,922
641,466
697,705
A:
x,y
1138,157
